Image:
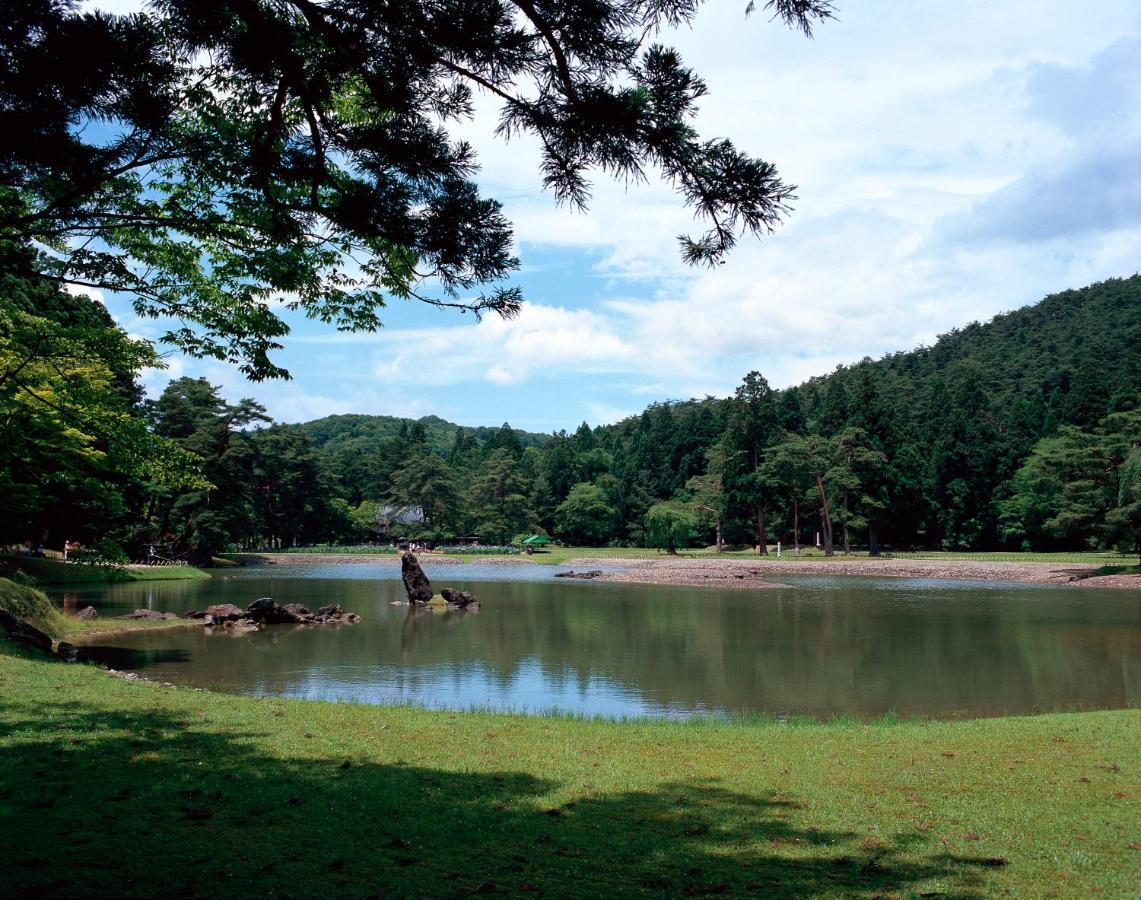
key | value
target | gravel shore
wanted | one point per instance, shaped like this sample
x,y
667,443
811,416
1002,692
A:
x,y
760,574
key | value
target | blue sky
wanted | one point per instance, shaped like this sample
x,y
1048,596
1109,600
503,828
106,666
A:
x,y
955,159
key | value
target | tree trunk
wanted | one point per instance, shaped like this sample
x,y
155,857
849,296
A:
x,y
720,541
796,524
847,543
873,541
825,517
762,538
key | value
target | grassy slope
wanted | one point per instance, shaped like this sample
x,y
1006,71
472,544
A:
x,y
54,571
34,607
149,790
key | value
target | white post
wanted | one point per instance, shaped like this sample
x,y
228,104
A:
x,y
778,549
818,539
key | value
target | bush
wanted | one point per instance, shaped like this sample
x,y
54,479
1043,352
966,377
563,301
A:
x,y
31,605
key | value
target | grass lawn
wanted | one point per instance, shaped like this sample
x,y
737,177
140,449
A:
x,y
114,788
72,627
47,571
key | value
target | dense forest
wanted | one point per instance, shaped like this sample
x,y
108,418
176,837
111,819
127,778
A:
x,y
1020,433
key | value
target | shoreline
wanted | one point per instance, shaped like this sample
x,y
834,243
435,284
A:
x,y
83,635
752,572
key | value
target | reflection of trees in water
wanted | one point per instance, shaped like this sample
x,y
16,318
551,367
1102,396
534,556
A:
x,y
855,650
132,657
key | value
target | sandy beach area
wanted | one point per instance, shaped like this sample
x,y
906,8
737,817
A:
x,y
759,574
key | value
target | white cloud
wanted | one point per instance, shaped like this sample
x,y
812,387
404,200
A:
x,y
79,290
542,340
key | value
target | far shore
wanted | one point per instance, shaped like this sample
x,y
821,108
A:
x,y
755,573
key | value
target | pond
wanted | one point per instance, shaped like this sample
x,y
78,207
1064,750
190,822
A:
x,y
822,647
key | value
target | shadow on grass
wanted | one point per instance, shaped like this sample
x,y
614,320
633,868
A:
x,y
99,802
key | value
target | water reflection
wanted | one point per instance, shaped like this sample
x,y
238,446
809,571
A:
x,y
821,647
131,657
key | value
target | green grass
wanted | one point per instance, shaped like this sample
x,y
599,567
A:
x,y
112,788
47,571
73,627
166,573
31,606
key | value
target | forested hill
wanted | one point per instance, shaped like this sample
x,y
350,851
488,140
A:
x,y
951,425
1063,357
364,451
339,433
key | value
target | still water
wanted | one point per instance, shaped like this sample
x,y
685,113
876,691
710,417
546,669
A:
x,y
822,647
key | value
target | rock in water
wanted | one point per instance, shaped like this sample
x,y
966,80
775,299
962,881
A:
x,y
67,652
459,599
300,612
242,626
267,612
220,612
416,583
335,615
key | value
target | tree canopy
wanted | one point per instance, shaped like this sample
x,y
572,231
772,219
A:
x,y
211,159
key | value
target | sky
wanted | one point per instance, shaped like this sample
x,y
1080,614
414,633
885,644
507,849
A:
x,y
954,159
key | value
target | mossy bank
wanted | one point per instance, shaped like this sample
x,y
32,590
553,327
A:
x,y
148,791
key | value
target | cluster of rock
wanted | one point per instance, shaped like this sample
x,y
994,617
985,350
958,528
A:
x,y
419,589
266,611
586,576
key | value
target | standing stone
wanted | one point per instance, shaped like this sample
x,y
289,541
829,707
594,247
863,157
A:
x,y
416,583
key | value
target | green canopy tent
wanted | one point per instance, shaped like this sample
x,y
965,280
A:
x,y
535,542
